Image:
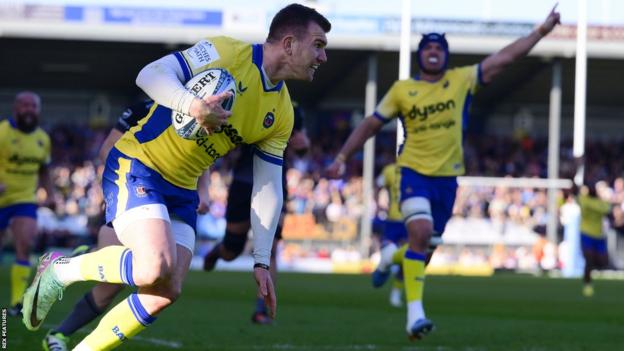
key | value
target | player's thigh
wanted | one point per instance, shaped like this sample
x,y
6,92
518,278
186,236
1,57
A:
x,y
107,237
153,248
444,190
184,257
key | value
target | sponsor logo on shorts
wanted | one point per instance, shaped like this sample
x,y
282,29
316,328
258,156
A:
x,y
140,191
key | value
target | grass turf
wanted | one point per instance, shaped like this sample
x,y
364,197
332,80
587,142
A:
x,y
343,312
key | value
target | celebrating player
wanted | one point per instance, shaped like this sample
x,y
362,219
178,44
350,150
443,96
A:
x,y
151,174
237,215
433,106
24,158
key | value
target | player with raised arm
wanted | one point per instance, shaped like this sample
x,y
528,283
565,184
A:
x,y
432,106
151,174
24,159
237,213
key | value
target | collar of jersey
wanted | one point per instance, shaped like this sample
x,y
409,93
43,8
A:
x,y
256,58
12,122
417,77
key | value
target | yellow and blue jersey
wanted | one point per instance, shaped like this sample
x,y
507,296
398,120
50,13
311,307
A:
x,y
391,182
593,211
262,116
21,157
433,116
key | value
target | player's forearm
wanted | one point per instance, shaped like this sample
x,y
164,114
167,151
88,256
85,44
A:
x,y
519,48
266,205
357,138
202,186
162,80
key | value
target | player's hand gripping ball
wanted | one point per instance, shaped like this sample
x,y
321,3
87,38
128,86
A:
x,y
213,81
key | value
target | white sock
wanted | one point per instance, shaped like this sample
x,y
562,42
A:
x,y
67,270
396,297
415,312
385,260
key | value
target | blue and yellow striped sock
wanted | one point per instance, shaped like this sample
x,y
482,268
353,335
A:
x,y
112,264
397,257
20,274
121,323
414,280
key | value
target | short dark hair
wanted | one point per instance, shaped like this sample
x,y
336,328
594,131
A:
x,y
295,19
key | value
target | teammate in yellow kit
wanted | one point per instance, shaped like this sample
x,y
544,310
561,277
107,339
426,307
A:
x,y
593,241
24,158
394,233
151,173
432,106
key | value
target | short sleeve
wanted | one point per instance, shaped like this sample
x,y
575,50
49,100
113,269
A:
x,y
272,148
202,56
388,107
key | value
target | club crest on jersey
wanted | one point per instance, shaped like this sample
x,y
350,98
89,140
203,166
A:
x,y
269,119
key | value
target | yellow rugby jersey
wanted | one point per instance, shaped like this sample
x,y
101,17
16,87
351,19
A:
x,y
21,156
262,115
593,211
433,116
391,178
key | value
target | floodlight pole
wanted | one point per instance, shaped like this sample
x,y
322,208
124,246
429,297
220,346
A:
x,y
369,161
404,53
554,132
580,90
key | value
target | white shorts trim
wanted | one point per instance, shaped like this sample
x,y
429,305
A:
x,y
150,211
183,234
416,208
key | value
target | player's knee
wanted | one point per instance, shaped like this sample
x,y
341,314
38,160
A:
x,y
153,272
233,245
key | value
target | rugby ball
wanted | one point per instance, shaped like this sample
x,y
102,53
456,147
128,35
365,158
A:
x,y
207,83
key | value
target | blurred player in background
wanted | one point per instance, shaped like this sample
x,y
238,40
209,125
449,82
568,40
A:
x,y
151,174
593,242
394,232
24,159
237,213
433,107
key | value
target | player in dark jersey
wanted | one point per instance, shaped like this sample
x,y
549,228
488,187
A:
x,y
237,212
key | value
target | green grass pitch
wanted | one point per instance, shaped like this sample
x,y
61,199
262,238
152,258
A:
x,y
343,312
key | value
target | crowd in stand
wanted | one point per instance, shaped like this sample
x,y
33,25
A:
x,y
78,211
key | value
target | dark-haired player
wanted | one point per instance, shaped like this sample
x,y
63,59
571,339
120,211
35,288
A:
x,y
151,173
